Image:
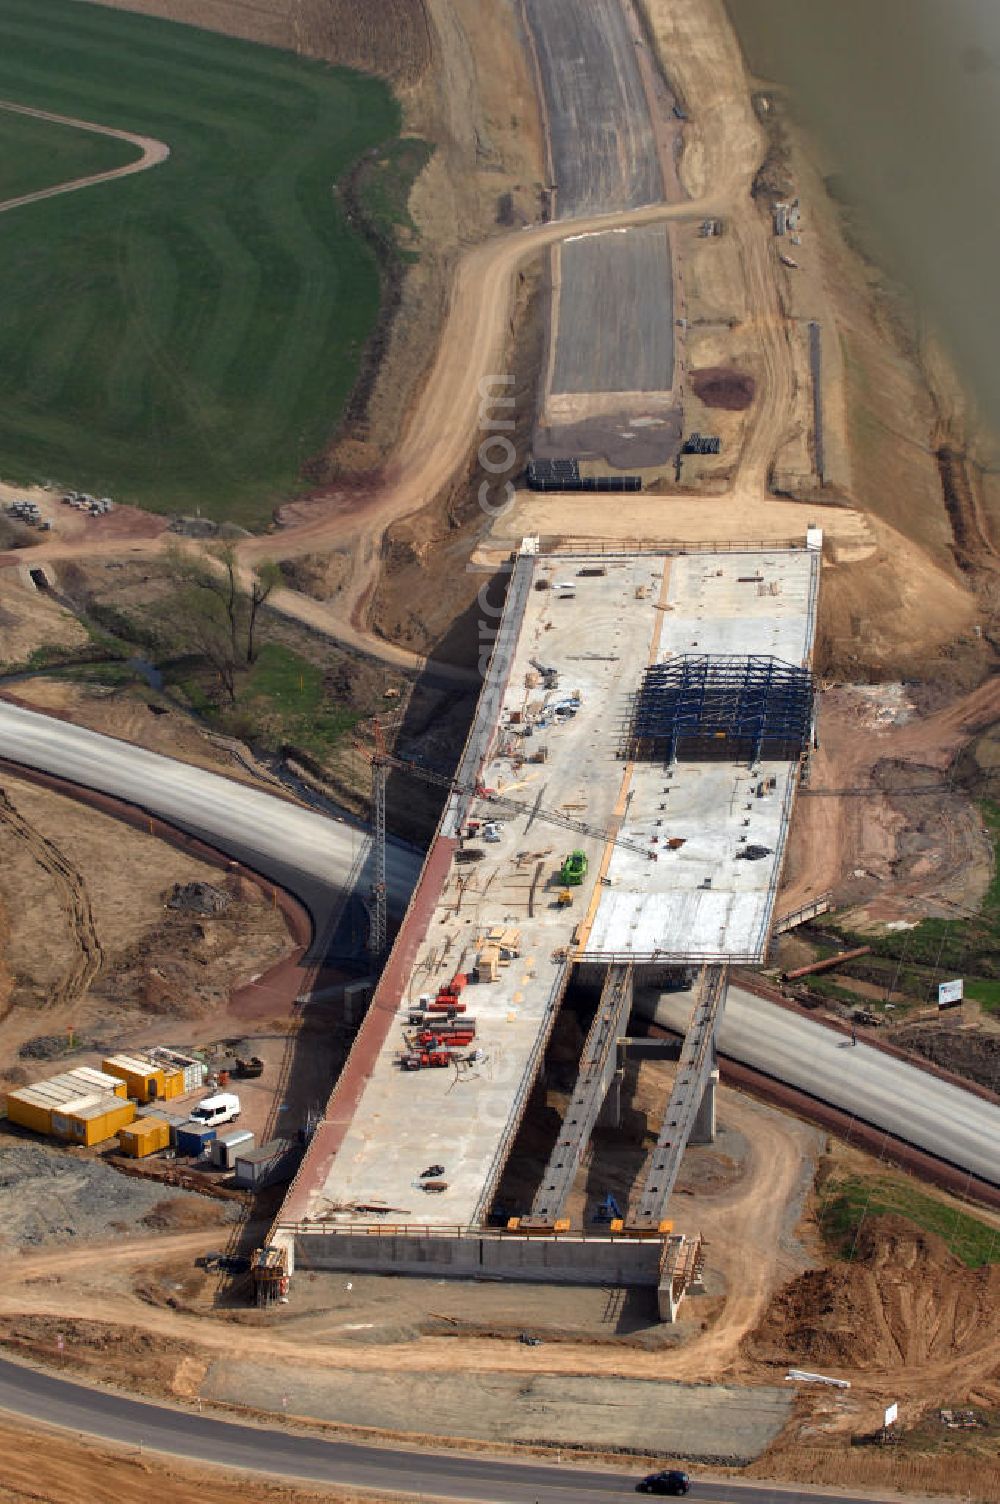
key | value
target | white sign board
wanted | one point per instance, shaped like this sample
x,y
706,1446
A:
x,y
950,993
891,1415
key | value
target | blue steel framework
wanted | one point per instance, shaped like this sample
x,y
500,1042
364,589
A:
x,y
721,705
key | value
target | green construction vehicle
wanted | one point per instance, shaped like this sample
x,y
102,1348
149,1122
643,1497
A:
x,y
574,869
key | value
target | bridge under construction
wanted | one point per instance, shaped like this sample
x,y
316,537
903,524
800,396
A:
x,y
618,819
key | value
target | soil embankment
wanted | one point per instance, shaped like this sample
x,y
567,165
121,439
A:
x,y
903,1302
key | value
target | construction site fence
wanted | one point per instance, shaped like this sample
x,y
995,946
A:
x,y
626,549
456,1230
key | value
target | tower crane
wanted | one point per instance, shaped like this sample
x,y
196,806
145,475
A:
x,y
382,760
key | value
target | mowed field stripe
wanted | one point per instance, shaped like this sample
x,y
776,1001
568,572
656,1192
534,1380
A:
x,y
222,305
238,277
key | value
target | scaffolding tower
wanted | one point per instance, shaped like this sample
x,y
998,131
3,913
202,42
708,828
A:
x,y
721,705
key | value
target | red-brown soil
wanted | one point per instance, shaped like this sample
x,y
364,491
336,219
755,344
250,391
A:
x,y
903,1302
718,386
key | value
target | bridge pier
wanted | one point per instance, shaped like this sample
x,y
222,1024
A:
x,y
610,1115
704,1129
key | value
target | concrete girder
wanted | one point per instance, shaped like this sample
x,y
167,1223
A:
x,y
598,1069
694,1071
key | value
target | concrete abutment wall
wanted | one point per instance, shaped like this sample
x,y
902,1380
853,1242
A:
x,y
590,1261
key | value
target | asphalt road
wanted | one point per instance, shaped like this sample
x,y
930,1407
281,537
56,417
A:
x,y
199,1438
318,859
906,1101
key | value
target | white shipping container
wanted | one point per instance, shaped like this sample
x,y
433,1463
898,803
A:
x,y
269,1164
194,1076
228,1145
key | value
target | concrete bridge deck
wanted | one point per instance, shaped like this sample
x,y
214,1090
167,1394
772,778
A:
x,y
597,622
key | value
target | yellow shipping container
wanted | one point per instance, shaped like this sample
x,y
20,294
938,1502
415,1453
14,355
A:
x,y
144,1081
28,1108
145,1136
94,1124
62,1113
33,1106
173,1084
101,1081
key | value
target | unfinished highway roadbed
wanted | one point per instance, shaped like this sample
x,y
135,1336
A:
x,y
628,1415
609,387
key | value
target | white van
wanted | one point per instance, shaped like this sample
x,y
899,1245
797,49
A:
x,y
223,1108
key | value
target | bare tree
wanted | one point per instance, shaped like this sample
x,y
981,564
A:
x,y
266,578
216,575
201,625
216,614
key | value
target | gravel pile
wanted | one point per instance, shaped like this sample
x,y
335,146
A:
x,y
52,1196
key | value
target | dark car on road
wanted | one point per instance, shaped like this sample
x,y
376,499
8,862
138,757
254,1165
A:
x,y
671,1481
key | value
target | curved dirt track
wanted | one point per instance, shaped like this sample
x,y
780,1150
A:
x,y
744,1224
152,153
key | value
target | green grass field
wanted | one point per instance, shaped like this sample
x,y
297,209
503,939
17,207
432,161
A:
x,y
38,154
280,701
848,1200
187,336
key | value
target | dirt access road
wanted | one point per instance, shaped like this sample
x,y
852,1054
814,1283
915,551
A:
x,y
721,155
75,901
442,428
722,146
151,154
